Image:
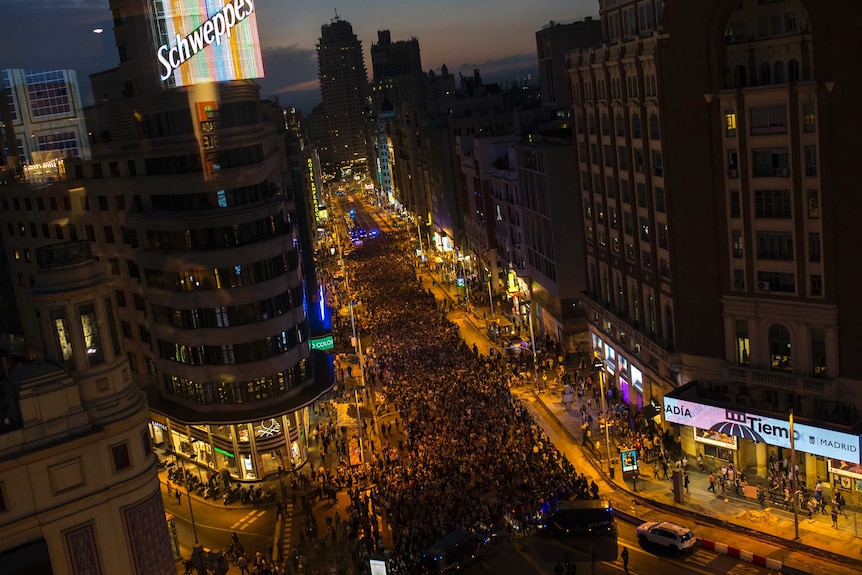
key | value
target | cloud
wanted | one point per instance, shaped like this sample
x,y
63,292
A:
x,y
291,74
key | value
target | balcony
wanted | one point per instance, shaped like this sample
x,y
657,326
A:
x,y
784,382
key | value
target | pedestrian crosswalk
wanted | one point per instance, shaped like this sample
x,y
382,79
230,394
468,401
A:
x,y
700,558
283,546
246,521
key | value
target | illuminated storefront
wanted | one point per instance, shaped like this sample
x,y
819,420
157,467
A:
x,y
743,438
247,451
622,374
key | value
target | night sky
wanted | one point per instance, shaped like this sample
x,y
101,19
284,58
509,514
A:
x,y
497,36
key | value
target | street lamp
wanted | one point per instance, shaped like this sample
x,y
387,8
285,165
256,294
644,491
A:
x,y
598,364
529,308
793,479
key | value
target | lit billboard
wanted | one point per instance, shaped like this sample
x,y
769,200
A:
x,y
208,41
760,428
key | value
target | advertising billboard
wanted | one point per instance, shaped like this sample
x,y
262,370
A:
x,y
208,41
761,428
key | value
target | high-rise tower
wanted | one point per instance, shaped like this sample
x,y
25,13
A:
x,y
344,91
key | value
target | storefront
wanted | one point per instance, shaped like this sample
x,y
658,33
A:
x,y
726,435
622,374
247,451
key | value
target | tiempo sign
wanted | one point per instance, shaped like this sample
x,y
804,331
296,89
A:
x,y
226,41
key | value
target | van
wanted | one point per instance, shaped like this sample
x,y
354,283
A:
x,y
451,553
590,517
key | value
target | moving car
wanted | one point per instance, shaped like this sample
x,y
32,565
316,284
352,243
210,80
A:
x,y
587,517
666,534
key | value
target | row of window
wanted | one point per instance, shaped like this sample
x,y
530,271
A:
x,y
235,235
780,347
775,204
128,236
232,354
229,315
620,126
776,245
234,392
223,278
226,198
83,203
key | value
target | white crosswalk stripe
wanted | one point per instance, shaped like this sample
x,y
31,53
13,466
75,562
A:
x,y
700,558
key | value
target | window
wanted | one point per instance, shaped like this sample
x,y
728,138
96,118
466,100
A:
x,y
779,348
662,235
809,117
46,231
62,337
103,203
814,247
623,155
126,328
109,234
664,268
636,126
775,246
765,74
644,225
639,160
780,76
620,125
777,281
115,266
625,193
732,164
736,240
790,22
768,120
730,124
659,200
120,455
630,252
738,280
810,160
792,71
92,339
657,169
770,162
742,342
139,302
121,297
58,231
134,271
654,128
818,351
772,204
91,233
609,156
646,259
642,195
114,168
606,124
816,289
628,226
813,204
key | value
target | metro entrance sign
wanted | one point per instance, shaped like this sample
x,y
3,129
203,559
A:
x,y
760,428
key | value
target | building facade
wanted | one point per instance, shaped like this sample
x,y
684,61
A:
x,y
716,145
344,96
79,491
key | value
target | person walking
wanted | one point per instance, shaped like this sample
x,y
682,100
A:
x,y
242,563
624,554
835,517
179,496
711,482
685,482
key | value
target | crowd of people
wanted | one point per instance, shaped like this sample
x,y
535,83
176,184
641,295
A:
x,y
473,454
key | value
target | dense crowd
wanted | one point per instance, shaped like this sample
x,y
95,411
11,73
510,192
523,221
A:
x,y
474,455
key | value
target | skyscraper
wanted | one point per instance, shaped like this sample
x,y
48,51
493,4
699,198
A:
x,y
344,93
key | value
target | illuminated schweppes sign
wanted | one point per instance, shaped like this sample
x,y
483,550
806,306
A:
x,y
222,46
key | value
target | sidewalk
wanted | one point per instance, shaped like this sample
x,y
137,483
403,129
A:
x,y
770,525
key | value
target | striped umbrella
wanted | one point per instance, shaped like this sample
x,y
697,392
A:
x,y
739,430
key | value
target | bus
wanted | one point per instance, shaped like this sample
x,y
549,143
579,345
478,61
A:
x,y
584,524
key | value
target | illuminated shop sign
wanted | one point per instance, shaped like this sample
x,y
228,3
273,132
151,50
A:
x,y
808,438
716,438
209,41
322,343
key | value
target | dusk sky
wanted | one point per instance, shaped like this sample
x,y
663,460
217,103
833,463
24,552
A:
x,y
496,36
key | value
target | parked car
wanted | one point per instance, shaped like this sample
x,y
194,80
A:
x,y
666,534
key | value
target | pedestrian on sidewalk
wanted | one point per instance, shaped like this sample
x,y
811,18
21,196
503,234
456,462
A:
x,y
834,517
179,496
685,482
624,554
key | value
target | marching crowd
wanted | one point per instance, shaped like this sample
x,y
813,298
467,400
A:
x,y
473,454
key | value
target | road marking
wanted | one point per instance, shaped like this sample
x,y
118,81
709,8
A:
x,y
247,520
700,558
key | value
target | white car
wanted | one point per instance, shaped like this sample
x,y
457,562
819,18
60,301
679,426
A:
x,y
666,534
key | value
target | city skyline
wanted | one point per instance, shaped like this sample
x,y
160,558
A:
x,y
58,34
